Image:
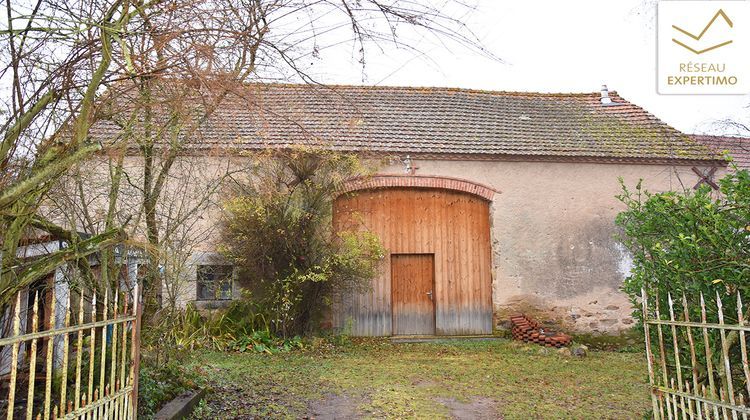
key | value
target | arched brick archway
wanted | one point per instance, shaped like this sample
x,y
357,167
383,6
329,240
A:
x,y
419,181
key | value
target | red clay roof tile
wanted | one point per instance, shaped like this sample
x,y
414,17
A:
x,y
738,148
440,121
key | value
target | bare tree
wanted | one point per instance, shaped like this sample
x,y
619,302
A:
x,y
149,74
188,58
55,58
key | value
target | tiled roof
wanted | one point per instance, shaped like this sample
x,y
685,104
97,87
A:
x,y
737,147
441,121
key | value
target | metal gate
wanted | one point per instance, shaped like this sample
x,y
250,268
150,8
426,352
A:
x,y
72,362
697,358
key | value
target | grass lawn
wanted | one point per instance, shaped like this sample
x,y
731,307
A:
x,y
459,379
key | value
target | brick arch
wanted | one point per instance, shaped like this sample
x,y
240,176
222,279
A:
x,y
419,181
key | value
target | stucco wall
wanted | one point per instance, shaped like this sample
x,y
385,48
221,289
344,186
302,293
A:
x,y
554,252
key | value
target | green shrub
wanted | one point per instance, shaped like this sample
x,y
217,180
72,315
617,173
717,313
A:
x,y
242,326
278,232
160,383
691,241
696,243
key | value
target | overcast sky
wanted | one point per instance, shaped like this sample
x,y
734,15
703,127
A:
x,y
546,46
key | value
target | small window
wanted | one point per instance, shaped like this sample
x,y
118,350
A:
x,y
214,282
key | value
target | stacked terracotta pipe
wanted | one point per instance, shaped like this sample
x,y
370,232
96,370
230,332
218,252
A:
x,y
528,330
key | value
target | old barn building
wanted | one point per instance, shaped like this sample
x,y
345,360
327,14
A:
x,y
487,202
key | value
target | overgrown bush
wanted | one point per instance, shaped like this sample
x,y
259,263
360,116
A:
x,y
278,233
175,332
691,242
159,384
172,333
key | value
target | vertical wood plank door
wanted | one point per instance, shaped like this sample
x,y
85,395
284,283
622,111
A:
x,y
412,288
453,226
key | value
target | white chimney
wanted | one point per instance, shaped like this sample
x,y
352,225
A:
x,y
606,100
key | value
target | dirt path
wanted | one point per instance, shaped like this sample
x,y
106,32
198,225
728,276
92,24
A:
x,y
338,406
478,408
335,407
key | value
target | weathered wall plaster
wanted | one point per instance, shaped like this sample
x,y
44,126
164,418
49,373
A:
x,y
555,255
553,245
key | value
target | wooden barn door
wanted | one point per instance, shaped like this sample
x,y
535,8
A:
x,y
413,293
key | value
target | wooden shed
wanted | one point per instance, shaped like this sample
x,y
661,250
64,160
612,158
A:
x,y
436,275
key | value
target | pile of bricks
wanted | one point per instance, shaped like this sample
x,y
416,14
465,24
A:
x,y
528,330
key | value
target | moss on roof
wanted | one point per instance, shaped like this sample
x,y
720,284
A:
x,y
440,121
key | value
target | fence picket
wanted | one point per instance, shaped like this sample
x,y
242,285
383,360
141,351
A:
x,y
32,360
743,344
678,365
742,403
99,406
709,352
659,413
111,388
691,413
14,356
649,355
699,407
79,355
661,343
66,343
674,401
706,407
683,397
722,396
124,346
50,355
105,406
113,366
691,342
92,351
135,345
123,352
103,362
727,373
669,408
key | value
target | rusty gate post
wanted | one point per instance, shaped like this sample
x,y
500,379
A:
x,y
136,350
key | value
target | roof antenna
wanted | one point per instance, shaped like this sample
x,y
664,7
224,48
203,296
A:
x,y
606,100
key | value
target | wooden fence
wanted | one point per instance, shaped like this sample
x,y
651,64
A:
x,y
697,359
81,363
